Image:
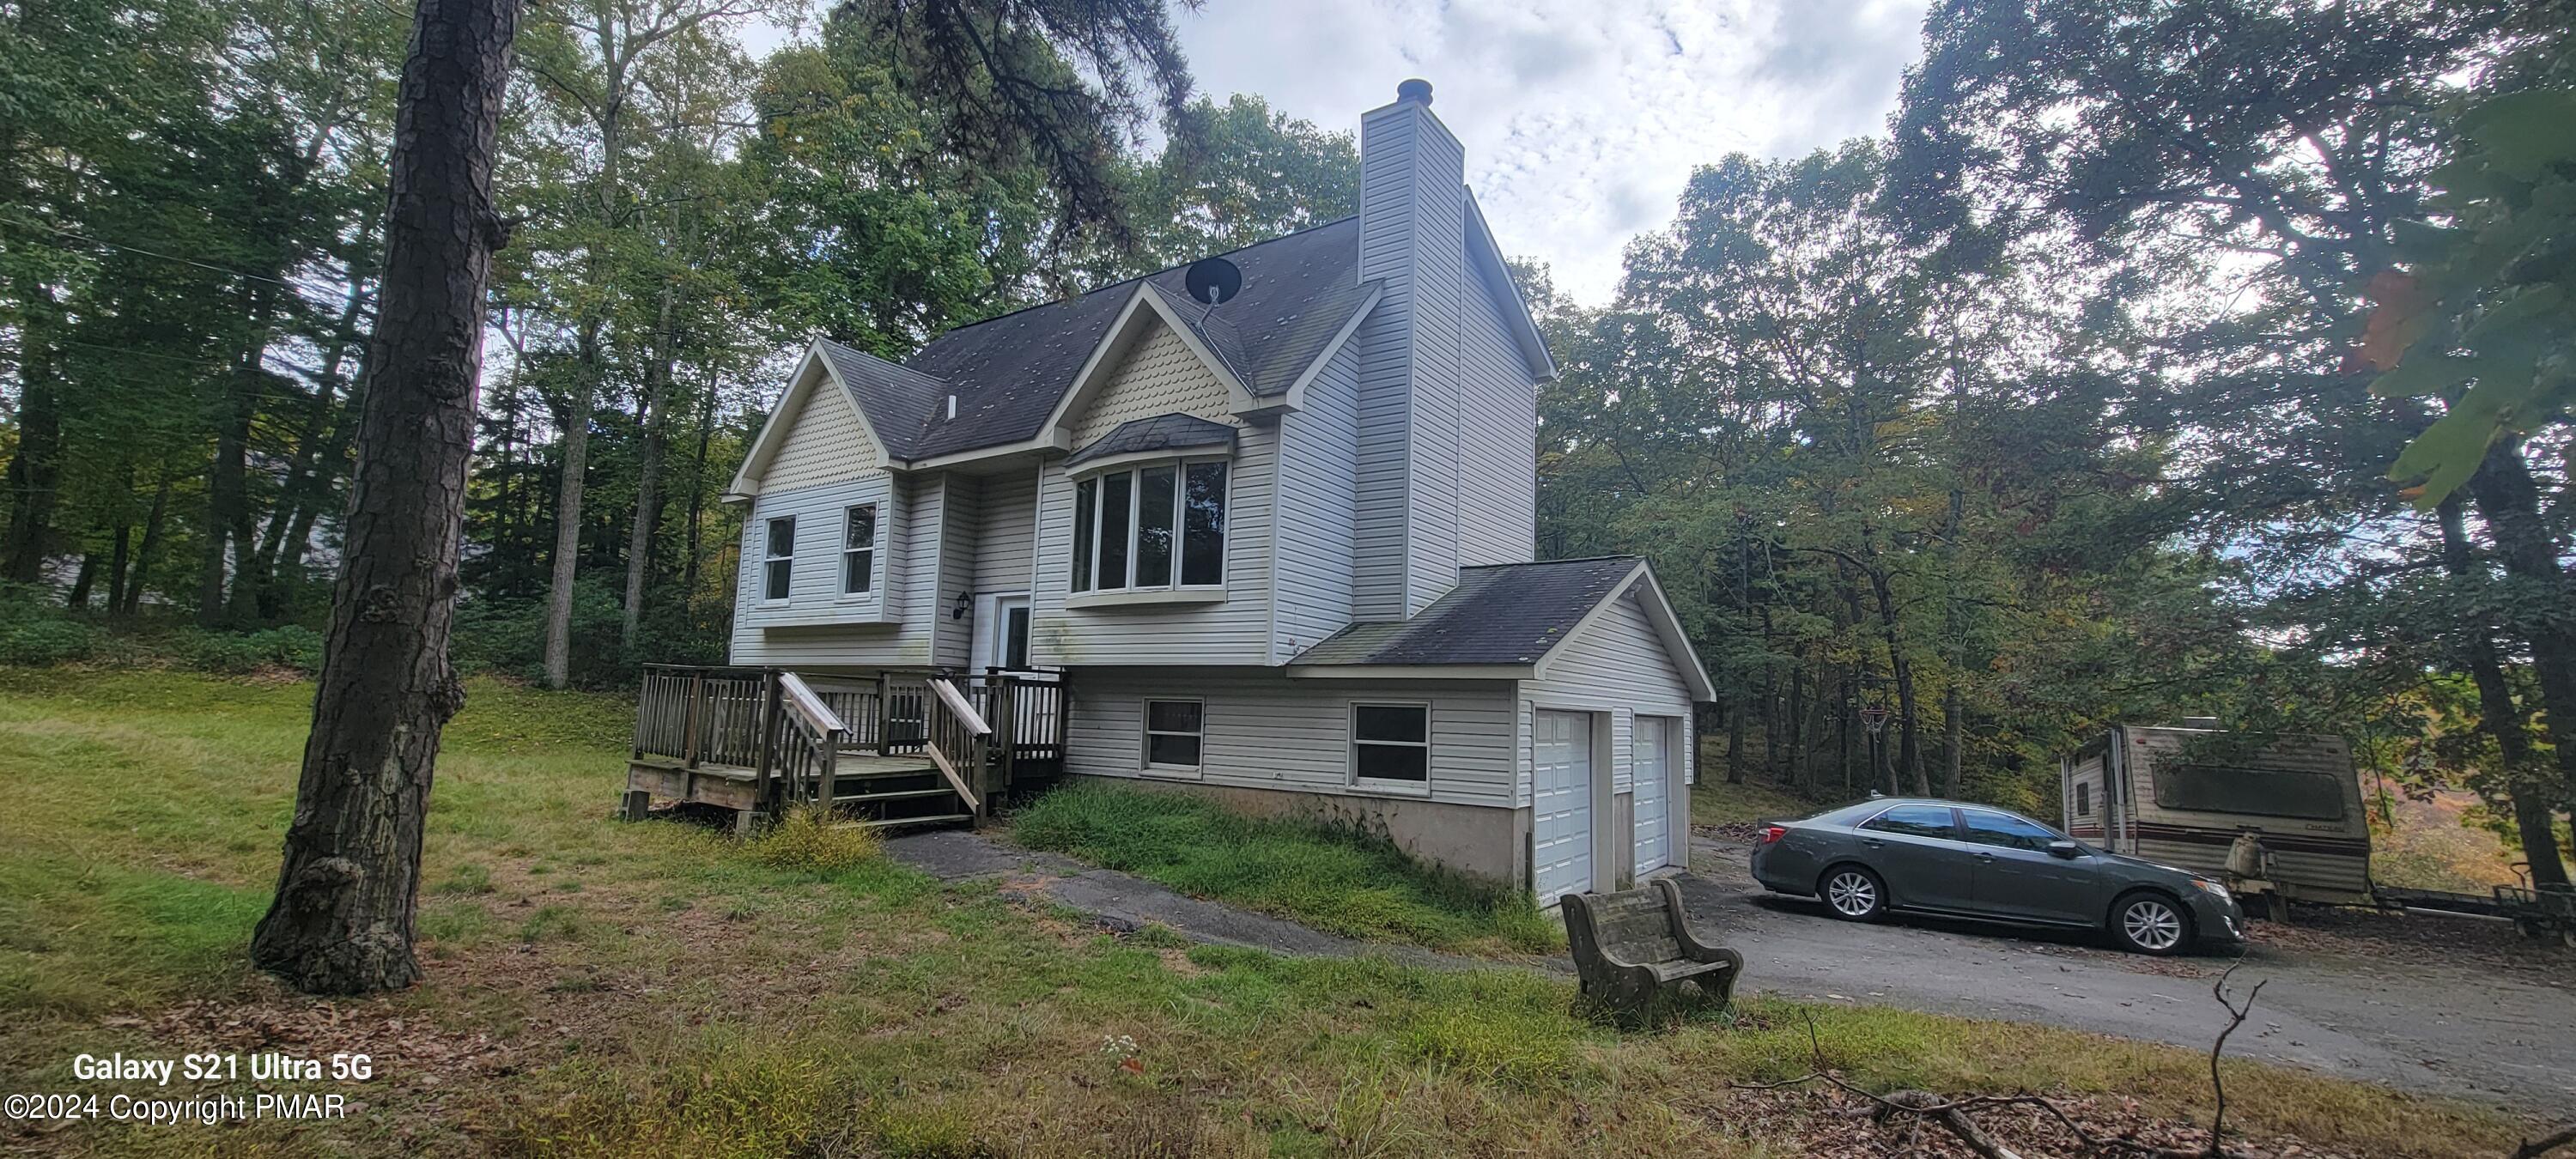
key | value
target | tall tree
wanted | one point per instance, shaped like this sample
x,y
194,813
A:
x,y
348,891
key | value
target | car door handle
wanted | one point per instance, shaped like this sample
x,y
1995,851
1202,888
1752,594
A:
x,y
1872,843
1987,857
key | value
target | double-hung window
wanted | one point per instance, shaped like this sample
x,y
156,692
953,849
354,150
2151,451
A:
x,y
778,558
1157,526
1391,745
859,549
1174,730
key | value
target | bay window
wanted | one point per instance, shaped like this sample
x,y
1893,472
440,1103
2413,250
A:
x,y
1157,526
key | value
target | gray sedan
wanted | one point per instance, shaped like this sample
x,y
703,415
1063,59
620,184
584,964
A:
x,y
1975,861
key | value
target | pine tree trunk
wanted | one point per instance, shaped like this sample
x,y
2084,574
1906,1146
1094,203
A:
x,y
576,461
2510,504
342,919
149,550
653,416
35,469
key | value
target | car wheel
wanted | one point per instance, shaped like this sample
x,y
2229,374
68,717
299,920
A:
x,y
1853,894
2150,923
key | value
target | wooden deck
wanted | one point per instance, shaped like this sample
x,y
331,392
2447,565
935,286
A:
x,y
898,749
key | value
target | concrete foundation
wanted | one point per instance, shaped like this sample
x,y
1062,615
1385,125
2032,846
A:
x,y
1484,842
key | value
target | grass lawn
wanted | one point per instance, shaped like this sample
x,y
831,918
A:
x,y
1329,877
602,988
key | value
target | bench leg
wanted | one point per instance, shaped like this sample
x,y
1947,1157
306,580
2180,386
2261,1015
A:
x,y
638,802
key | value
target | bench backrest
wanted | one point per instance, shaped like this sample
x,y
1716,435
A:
x,y
1632,925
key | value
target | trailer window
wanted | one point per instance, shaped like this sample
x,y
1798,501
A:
x,y
2266,792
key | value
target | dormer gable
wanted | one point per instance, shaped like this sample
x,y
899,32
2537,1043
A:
x,y
817,434
1153,361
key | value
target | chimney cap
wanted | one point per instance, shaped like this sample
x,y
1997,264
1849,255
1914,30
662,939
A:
x,y
1416,90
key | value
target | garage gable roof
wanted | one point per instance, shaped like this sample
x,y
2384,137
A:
x,y
1511,615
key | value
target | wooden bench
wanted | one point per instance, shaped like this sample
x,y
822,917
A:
x,y
1634,947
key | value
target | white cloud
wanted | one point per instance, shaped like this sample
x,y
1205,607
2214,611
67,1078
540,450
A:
x,y
1582,119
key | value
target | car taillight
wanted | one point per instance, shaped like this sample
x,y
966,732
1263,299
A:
x,y
1771,833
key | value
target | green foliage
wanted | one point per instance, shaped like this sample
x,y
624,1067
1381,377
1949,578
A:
x,y
1332,876
2486,319
810,839
233,653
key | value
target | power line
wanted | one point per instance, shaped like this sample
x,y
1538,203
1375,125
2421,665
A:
x,y
58,230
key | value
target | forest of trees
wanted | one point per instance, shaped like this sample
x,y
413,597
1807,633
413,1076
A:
x,y
2074,398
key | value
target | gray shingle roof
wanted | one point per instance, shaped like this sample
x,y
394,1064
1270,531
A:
x,y
1171,432
1504,614
1009,372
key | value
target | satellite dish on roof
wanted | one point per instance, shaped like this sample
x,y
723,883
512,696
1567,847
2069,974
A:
x,y
1212,280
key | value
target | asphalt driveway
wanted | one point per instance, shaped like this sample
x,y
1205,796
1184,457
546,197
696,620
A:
x,y
2408,1017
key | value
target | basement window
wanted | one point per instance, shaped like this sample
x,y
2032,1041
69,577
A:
x,y
1156,527
1174,730
1391,745
778,562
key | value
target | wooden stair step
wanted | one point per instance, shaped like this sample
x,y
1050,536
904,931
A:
x,y
892,822
897,795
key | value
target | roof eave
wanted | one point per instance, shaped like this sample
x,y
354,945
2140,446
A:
x,y
1364,671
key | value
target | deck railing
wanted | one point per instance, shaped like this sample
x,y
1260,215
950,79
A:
x,y
806,746
981,731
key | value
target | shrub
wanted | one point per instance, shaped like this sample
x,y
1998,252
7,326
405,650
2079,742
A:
x,y
37,642
231,653
810,839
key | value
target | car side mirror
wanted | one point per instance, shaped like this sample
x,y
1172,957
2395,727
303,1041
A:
x,y
2065,849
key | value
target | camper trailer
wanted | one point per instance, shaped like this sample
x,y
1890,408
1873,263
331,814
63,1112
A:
x,y
2289,812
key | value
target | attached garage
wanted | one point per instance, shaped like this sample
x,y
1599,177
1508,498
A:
x,y
1561,805
1601,683
1650,768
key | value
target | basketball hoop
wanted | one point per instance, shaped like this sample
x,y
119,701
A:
x,y
1873,718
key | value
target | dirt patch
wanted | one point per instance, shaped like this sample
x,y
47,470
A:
x,y
2482,943
1833,1122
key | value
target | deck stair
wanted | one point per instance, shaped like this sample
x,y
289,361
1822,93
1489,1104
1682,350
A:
x,y
890,750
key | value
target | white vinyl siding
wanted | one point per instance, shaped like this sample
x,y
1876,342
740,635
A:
x,y
1498,457
961,511
1264,731
1234,631
1318,457
1007,547
1618,666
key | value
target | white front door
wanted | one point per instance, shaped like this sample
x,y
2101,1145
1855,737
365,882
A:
x,y
1003,634
1561,803
1653,768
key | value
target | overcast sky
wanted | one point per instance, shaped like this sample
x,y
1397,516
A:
x,y
1581,118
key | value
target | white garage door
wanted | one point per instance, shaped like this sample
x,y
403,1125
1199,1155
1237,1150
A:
x,y
1561,800
1654,781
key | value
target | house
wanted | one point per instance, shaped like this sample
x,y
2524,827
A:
x,y
1277,550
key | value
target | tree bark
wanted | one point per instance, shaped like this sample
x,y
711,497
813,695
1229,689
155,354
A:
x,y
653,415
2540,612
35,469
2502,718
576,461
347,892
149,550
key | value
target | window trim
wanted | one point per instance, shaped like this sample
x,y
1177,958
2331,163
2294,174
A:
x,y
1957,834
876,529
1146,732
1960,814
769,556
1352,742
1175,590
